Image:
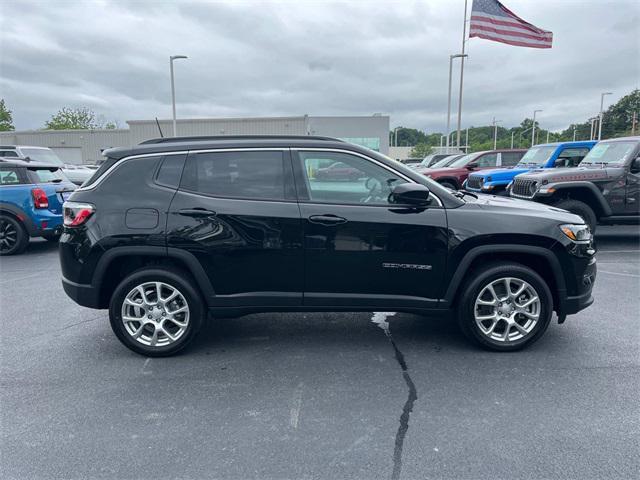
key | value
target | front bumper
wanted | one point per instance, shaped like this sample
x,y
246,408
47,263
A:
x,y
571,304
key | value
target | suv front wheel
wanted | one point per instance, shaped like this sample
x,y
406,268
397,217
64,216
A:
x,y
505,307
156,312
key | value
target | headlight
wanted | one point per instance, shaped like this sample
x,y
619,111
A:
x,y
577,233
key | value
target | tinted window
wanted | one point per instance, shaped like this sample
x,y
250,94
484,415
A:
x,y
259,175
357,181
8,153
9,177
509,159
171,170
488,160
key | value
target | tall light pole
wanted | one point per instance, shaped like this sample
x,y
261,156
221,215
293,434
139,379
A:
x,y
173,89
395,136
574,133
495,132
451,57
533,128
593,128
601,106
513,132
464,36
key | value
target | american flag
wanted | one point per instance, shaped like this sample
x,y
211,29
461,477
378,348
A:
x,y
493,21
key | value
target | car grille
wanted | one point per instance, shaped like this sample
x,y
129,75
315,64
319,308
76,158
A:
x,y
475,182
523,188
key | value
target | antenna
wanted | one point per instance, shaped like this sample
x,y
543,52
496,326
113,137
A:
x,y
158,123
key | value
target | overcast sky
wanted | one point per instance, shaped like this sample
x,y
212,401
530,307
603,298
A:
x,y
321,58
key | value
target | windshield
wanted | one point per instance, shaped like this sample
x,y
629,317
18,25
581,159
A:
x,y
462,161
537,155
611,152
47,175
42,155
446,161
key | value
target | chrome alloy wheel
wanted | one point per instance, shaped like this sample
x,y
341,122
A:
x,y
155,314
507,309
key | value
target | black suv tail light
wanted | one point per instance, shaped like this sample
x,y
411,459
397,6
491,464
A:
x,y
40,199
76,214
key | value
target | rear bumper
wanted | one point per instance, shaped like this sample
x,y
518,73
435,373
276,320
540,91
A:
x,y
82,294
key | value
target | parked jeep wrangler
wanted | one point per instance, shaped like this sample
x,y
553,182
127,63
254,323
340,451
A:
x,y
604,189
169,230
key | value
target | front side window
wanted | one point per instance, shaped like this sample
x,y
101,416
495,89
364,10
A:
x,y
341,178
241,174
9,176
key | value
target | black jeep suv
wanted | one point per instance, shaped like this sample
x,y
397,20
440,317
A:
x,y
605,188
172,229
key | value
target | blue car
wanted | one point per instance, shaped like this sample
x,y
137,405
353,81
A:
x,y
549,155
31,198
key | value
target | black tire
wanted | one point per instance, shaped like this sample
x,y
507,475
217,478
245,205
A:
x,y
13,236
581,209
174,278
482,277
449,185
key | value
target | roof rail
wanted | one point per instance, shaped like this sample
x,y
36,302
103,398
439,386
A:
x,y
237,137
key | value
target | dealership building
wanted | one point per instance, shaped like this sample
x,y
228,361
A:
x,y
85,146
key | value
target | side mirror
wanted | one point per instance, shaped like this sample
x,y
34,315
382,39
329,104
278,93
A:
x,y
472,166
413,194
559,162
635,166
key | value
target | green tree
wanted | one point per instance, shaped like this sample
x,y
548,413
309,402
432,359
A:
x,y
420,150
6,119
80,118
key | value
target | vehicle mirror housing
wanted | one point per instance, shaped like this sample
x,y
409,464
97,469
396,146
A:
x,y
410,194
472,166
635,166
559,162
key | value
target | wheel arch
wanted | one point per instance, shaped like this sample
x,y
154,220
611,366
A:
x,y
118,262
585,192
19,215
448,180
539,259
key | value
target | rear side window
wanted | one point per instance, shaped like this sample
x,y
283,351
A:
x,y
9,176
170,171
46,175
8,153
251,175
509,159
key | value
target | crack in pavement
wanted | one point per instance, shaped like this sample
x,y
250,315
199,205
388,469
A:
x,y
380,319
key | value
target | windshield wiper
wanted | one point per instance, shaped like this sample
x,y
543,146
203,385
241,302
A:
x,y
463,193
55,180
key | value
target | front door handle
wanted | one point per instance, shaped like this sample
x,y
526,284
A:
x,y
196,212
328,219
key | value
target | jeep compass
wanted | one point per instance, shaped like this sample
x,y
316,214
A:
x,y
172,230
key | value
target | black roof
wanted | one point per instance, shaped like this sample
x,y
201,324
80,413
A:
x,y
161,145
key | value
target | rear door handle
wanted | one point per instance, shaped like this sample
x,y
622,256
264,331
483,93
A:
x,y
328,219
196,212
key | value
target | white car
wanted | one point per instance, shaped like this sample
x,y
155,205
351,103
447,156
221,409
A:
x,y
78,174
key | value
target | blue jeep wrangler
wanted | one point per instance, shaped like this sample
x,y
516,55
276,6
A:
x,y
31,198
549,155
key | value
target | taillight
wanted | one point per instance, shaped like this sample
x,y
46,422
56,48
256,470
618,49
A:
x,y
76,214
40,199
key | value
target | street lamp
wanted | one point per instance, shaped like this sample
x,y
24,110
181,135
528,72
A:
x,y
601,105
533,130
495,132
173,89
451,57
395,136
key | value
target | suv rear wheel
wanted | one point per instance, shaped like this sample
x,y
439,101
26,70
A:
x,y
505,307
156,312
579,208
13,237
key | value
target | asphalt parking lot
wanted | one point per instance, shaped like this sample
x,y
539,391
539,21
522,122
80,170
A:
x,y
311,396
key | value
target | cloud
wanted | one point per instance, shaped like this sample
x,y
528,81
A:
x,y
322,58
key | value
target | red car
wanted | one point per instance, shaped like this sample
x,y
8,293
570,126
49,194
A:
x,y
457,172
338,171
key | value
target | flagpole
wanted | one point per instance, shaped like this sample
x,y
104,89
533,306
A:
x,y
464,35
